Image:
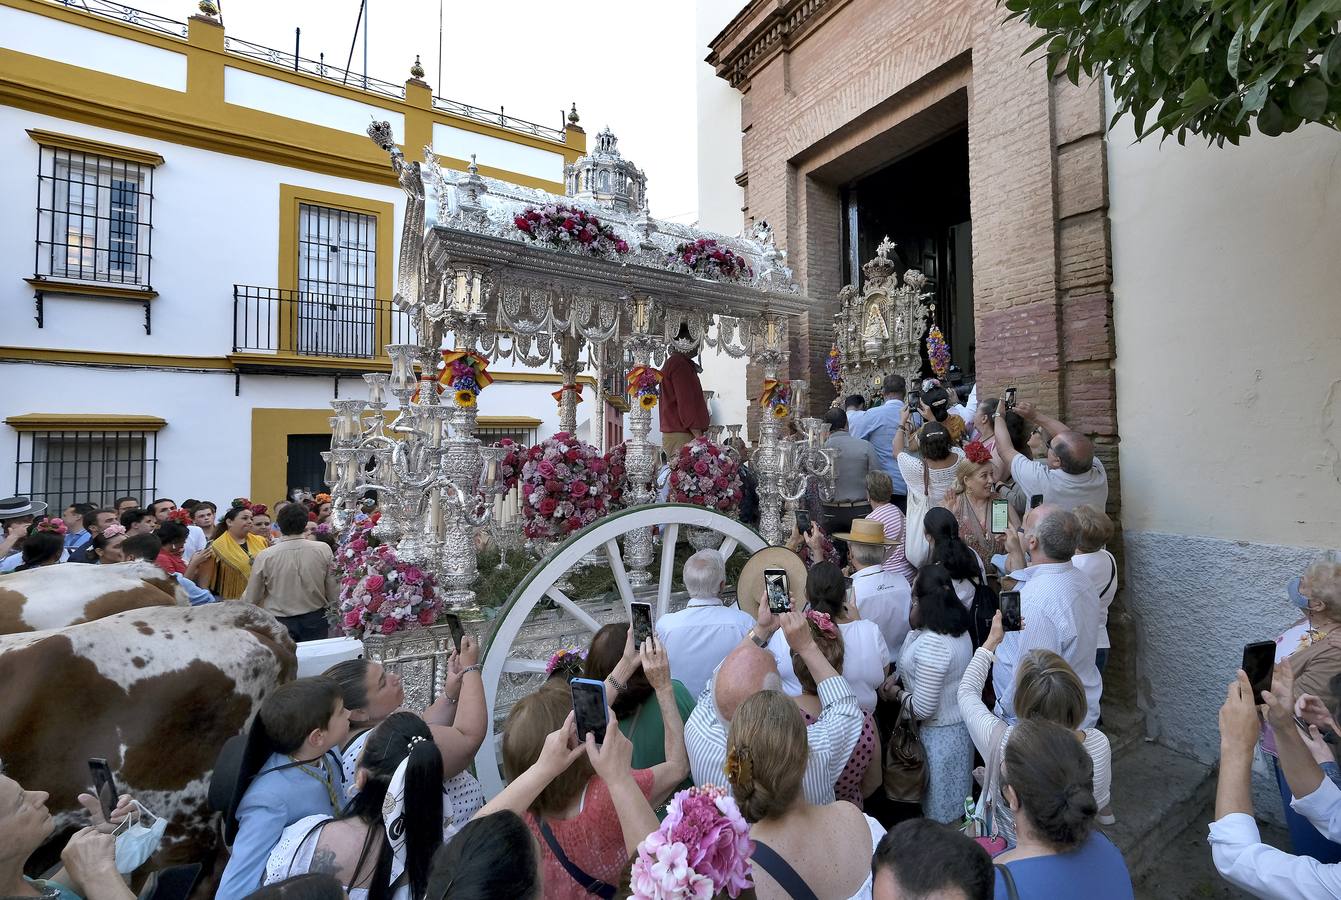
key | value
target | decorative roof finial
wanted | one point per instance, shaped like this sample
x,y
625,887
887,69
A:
x,y
573,117
416,70
208,8
883,248
472,168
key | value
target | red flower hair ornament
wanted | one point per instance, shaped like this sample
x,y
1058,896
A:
x,y
977,452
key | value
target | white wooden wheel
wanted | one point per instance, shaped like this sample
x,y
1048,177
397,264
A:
x,y
539,584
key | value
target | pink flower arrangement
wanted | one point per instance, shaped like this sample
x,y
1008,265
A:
x,y
52,525
571,228
616,472
702,849
565,486
379,594
710,259
705,474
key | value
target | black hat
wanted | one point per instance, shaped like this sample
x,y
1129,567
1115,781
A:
x,y
17,507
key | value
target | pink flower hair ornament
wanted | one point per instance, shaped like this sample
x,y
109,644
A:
x,y
823,622
113,530
702,849
52,525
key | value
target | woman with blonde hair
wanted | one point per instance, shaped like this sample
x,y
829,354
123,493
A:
x,y
224,566
766,754
970,499
1046,688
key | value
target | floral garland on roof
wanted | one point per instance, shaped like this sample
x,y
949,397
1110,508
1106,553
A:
x,y
709,259
569,227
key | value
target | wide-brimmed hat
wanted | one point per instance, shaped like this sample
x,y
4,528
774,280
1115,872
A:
x,y
16,507
866,531
750,584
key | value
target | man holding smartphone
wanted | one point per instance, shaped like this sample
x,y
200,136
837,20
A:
x,y
1059,606
1070,475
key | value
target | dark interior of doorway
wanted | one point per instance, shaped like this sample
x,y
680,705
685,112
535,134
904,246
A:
x,y
306,470
921,202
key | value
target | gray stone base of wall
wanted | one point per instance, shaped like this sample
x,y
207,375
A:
x,y
1191,604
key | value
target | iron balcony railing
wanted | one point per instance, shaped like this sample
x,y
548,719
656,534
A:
x,y
309,323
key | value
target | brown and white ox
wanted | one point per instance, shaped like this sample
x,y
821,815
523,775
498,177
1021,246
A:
x,y
156,691
56,596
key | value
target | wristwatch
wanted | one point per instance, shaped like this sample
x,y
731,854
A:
x,y
758,640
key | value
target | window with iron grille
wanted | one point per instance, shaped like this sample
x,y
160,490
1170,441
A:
x,y
337,281
520,434
94,218
64,467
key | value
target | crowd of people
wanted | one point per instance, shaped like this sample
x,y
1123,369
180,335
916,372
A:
x,y
894,730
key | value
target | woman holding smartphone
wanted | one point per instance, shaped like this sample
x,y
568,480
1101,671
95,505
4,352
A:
x,y
970,499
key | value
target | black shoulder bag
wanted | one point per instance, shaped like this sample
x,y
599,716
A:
x,y
586,882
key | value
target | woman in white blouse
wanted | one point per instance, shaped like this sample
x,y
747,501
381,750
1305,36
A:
x,y
865,654
930,666
1045,688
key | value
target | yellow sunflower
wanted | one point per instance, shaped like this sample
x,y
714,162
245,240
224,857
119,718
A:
x,y
780,411
647,401
465,399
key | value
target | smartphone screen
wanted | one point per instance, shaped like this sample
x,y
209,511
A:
x,y
1035,501
1010,610
802,522
454,623
1010,398
1258,661
104,785
915,400
775,586
589,708
642,622
1000,516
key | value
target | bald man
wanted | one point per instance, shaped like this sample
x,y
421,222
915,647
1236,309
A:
x,y
1059,605
1070,475
748,669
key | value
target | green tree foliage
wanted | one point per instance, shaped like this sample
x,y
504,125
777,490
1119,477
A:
x,y
1205,67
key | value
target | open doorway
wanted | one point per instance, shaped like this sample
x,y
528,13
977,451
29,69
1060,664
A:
x,y
921,202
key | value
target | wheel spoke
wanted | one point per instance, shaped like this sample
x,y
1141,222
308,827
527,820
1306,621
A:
x,y
621,574
669,535
728,547
573,609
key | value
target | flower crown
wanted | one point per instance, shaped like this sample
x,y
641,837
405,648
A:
x,y
565,658
824,622
321,498
977,452
702,849
113,530
182,516
240,503
52,526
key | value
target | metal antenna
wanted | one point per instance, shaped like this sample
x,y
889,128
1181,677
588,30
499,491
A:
x,y
439,75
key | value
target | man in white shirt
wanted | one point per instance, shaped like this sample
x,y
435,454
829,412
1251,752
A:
x,y
748,669
882,596
195,537
1070,476
1236,846
1059,606
698,637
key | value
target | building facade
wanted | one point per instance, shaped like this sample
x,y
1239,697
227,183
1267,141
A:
x,y
1177,298
210,256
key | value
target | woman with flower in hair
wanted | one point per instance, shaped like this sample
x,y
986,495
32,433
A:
x,y
566,663
859,779
106,544
44,546
702,848
224,567
800,849
970,499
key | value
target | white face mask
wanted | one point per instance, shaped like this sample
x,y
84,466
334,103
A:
x,y
136,841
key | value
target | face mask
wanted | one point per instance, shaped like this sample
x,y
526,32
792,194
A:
x,y
1297,598
135,841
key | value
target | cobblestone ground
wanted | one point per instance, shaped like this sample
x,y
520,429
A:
x,y
1185,872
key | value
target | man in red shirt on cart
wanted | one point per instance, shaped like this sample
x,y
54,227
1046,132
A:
x,y
684,411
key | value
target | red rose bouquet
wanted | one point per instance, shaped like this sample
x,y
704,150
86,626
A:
x,y
379,594
571,228
710,259
564,486
705,474
616,471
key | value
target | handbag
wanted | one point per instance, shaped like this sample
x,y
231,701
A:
x,y
980,820
916,547
905,768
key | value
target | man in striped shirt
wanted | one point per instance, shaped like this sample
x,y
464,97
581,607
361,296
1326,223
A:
x,y
748,669
878,483
1059,606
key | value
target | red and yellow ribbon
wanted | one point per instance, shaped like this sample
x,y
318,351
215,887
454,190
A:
x,y
637,372
477,362
771,386
575,388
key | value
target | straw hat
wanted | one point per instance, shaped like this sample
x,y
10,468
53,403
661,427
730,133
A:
x,y
866,531
750,584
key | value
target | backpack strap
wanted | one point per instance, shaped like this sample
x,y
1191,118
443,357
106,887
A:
x,y
1011,891
587,882
782,872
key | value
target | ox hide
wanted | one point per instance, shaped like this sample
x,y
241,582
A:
x,y
70,594
156,691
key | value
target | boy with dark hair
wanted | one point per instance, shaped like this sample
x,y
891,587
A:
x,y
142,546
298,727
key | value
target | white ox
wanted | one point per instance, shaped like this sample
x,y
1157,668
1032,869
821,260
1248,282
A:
x,y
71,593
